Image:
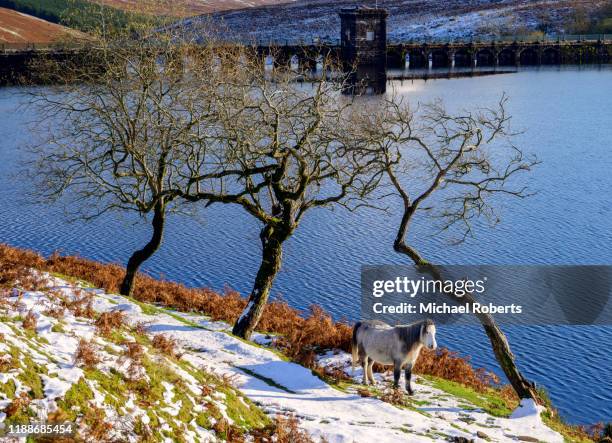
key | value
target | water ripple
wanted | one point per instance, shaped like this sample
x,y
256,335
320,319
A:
x,y
566,115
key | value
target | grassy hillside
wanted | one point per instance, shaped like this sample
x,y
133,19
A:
x,y
79,14
118,373
126,371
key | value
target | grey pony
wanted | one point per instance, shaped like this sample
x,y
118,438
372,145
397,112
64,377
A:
x,y
376,342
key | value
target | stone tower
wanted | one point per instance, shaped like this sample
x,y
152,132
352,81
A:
x,y
363,42
363,35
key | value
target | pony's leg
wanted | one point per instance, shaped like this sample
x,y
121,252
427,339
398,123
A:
x,y
365,369
408,374
397,370
370,374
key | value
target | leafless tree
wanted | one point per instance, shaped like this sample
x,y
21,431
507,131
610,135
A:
x,y
122,125
452,168
291,144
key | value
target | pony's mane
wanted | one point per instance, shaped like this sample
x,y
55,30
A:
x,y
411,333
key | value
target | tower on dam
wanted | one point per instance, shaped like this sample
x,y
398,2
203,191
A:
x,y
363,42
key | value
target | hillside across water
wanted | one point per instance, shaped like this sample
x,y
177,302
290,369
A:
x,y
16,27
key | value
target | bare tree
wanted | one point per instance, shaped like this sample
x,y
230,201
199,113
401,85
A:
x,y
120,128
452,168
290,142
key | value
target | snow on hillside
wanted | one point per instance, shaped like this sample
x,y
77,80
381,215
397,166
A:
x,y
304,20
188,395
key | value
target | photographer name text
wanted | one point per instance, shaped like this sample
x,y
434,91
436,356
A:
x,y
444,308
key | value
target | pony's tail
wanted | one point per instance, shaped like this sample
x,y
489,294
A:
x,y
354,346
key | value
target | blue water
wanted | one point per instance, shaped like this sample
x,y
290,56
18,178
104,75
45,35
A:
x,y
567,118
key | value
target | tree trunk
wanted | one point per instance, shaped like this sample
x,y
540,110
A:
x,y
272,243
523,387
499,342
503,354
142,255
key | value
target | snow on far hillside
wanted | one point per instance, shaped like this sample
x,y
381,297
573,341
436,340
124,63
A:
x,y
305,20
277,386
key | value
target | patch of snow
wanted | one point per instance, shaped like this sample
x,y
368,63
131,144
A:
x,y
245,312
55,387
527,421
527,408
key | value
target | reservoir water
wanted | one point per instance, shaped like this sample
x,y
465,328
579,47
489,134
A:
x,y
566,116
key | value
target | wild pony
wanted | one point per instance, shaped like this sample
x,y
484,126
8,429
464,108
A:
x,y
376,342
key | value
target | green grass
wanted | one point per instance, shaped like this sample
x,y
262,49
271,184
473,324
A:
x,y
68,278
76,400
6,318
8,389
158,372
146,308
242,411
149,392
489,401
149,309
116,336
404,430
30,374
58,327
112,386
567,431
22,417
376,391
467,431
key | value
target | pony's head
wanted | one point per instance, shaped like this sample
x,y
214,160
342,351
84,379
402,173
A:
x,y
428,334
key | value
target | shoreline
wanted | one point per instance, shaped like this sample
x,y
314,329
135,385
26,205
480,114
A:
x,y
227,307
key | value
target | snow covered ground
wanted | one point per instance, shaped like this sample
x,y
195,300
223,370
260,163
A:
x,y
420,20
277,386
